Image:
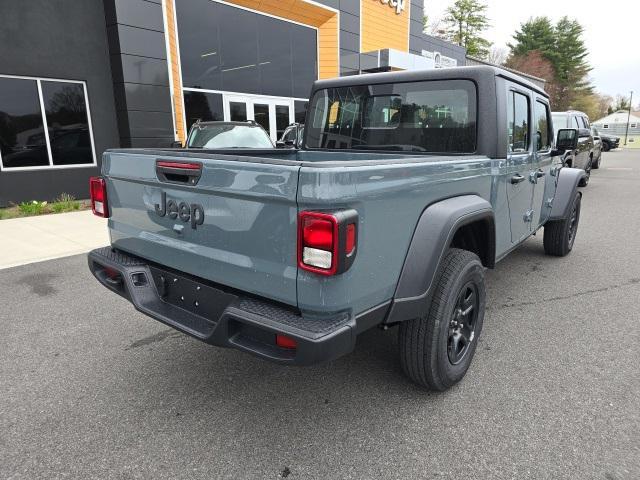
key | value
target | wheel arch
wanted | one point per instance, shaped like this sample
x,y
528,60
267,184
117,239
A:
x,y
568,181
466,222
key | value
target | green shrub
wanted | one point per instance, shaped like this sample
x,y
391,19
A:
x,y
65,203
33,208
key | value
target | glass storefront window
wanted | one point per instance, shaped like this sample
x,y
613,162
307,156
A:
x,y
202,106
238,111
261,115
226,48
300,111
22,140
66,113
55,133
282,119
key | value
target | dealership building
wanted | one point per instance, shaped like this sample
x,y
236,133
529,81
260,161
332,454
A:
x,y
81,76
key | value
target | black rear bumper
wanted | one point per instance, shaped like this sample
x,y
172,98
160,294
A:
x,y
221,316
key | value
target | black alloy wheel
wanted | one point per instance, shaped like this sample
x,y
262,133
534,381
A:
x,y
574,218
462,324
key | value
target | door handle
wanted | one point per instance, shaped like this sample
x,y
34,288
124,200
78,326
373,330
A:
x,y
539,173
517,178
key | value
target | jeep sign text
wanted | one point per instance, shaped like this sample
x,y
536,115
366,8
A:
x,y
397,4
193,213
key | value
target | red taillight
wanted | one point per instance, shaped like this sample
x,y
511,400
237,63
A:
x,y
318,233
351,238
98,194
327,241
318,242
286,342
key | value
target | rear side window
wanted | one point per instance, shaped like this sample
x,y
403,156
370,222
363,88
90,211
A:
x,y
543,134
518,119
430,116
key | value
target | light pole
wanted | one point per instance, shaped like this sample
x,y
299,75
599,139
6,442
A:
x,y
626,134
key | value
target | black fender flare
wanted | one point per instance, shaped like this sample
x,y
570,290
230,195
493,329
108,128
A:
x,y
568,180
432,236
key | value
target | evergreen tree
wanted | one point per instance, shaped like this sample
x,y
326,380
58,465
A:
x,y
563,46
571,64
536,34
465,21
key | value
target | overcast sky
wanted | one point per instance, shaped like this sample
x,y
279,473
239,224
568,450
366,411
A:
x,y
612,34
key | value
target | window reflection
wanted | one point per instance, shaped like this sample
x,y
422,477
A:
x,y
300,110
230,49
430,116
22,140
202,106
66,113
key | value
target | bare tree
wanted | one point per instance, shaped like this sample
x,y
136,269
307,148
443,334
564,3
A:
x,y
497,55
434,26
69,99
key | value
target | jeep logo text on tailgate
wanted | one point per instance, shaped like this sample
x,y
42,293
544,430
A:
x,y
193,212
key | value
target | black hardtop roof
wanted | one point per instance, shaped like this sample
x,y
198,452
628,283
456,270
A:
x,y
454,73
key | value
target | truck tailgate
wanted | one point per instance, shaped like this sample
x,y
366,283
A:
x,y
235,226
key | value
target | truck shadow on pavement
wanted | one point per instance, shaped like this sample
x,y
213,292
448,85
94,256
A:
x,y
373,369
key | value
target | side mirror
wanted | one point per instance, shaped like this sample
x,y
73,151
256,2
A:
x,y
567,140
280,144
176,144
584,132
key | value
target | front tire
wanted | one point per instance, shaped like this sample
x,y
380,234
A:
x,y
597,164
436,349
560,235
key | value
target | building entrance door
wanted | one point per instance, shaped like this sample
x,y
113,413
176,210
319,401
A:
x,y
274,114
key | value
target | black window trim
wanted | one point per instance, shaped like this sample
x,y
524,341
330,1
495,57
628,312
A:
x,y
524,93
51,165
550,132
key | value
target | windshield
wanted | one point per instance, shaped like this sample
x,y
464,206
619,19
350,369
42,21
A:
x,y
430,116
228,136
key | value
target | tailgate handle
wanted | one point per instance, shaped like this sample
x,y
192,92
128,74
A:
x,y
178,172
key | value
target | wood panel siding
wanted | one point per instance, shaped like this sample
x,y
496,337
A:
x,y
382,27
173,59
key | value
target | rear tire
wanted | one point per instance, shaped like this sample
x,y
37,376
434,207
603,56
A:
x,y
560,235
605,147
436,349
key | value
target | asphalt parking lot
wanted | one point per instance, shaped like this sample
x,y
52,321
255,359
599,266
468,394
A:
x,y
92,389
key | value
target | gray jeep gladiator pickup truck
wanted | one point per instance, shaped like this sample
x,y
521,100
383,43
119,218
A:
x,y
408,186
